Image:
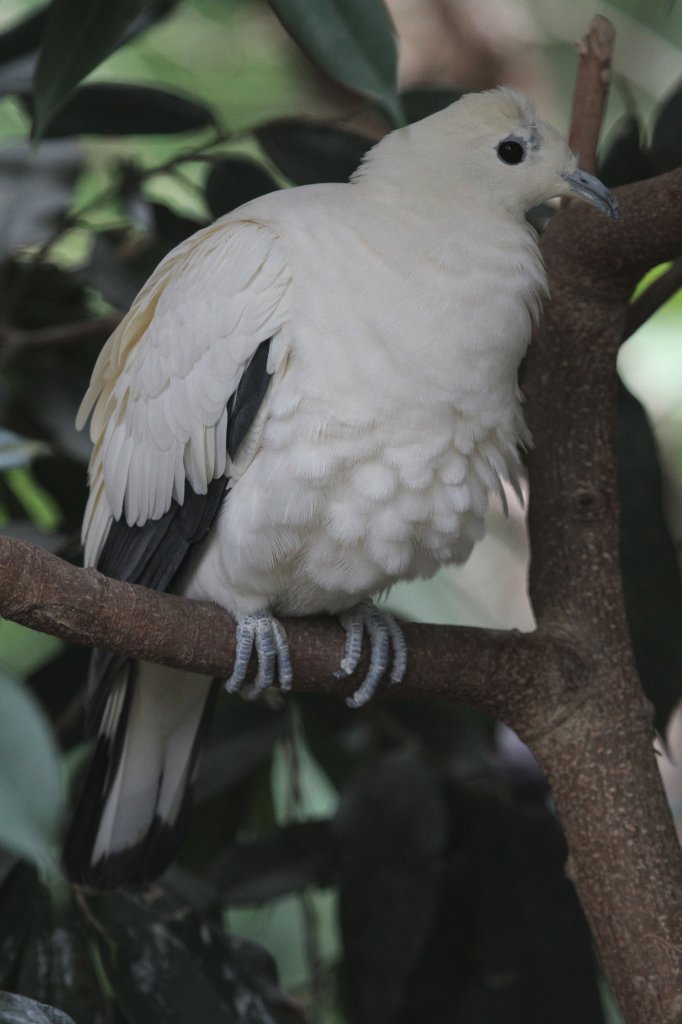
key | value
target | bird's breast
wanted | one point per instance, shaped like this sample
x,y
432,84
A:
x,y
329,512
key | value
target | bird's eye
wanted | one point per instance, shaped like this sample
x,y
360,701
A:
x,y
510,151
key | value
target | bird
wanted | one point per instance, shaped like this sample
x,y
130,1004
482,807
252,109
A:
x,y
310,399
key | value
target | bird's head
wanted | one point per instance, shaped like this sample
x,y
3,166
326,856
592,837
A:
x,y
490,148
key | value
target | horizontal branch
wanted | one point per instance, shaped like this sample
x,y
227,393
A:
x,y
17,339
490,670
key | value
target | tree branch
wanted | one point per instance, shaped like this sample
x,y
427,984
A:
x,y
15,339
591,89
626,860
44,592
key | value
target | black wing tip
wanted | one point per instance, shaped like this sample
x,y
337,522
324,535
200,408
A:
x,y
133,865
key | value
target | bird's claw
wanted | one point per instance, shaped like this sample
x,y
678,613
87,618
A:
x,y
264,632
386,639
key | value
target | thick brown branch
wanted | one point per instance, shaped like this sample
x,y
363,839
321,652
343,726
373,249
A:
x,y
624,852
493,671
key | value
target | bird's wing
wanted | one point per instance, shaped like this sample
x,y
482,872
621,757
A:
x,y
166,381
173,394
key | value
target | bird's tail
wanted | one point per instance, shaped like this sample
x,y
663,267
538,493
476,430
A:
x,y
129,819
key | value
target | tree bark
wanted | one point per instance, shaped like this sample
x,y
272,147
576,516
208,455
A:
x,y
624,853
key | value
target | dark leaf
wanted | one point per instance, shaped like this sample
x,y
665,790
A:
x,y
77,38
193,891
509,943
352,40
16,896
23,37
113,108
625,160
391,830
287,860
41,294
20,1010
178,968
116,270
56,965
308,152
243,970
666,138
17,76
422,102
8,862
18,46
233,182
229,760
233,780
651,578
336,735
59,684
55,404
35,190
171,228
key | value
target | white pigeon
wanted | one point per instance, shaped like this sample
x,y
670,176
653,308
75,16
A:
x,y
309,400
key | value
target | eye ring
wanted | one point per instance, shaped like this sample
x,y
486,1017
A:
x,y
511,151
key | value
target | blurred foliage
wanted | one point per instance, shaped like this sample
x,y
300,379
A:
x,y
402,862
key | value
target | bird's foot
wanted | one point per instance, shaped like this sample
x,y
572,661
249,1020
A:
x,y
386,638
262,631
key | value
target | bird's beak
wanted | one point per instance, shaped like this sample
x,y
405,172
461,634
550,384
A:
x,y
594,191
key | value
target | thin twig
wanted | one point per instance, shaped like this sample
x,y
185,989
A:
x,y
78,218
591,89
18,338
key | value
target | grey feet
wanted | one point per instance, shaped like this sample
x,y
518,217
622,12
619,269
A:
x,y
262,631
386,642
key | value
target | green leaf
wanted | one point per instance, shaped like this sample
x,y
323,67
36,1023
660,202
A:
x,y
308,152
31,792
651,578
353,41
77,38
666,139
18,451
20,1010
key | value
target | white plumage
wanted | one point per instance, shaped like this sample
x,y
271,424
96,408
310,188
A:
x,y
397,308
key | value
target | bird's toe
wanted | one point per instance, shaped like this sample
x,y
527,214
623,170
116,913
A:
x,y
387,646
267,635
